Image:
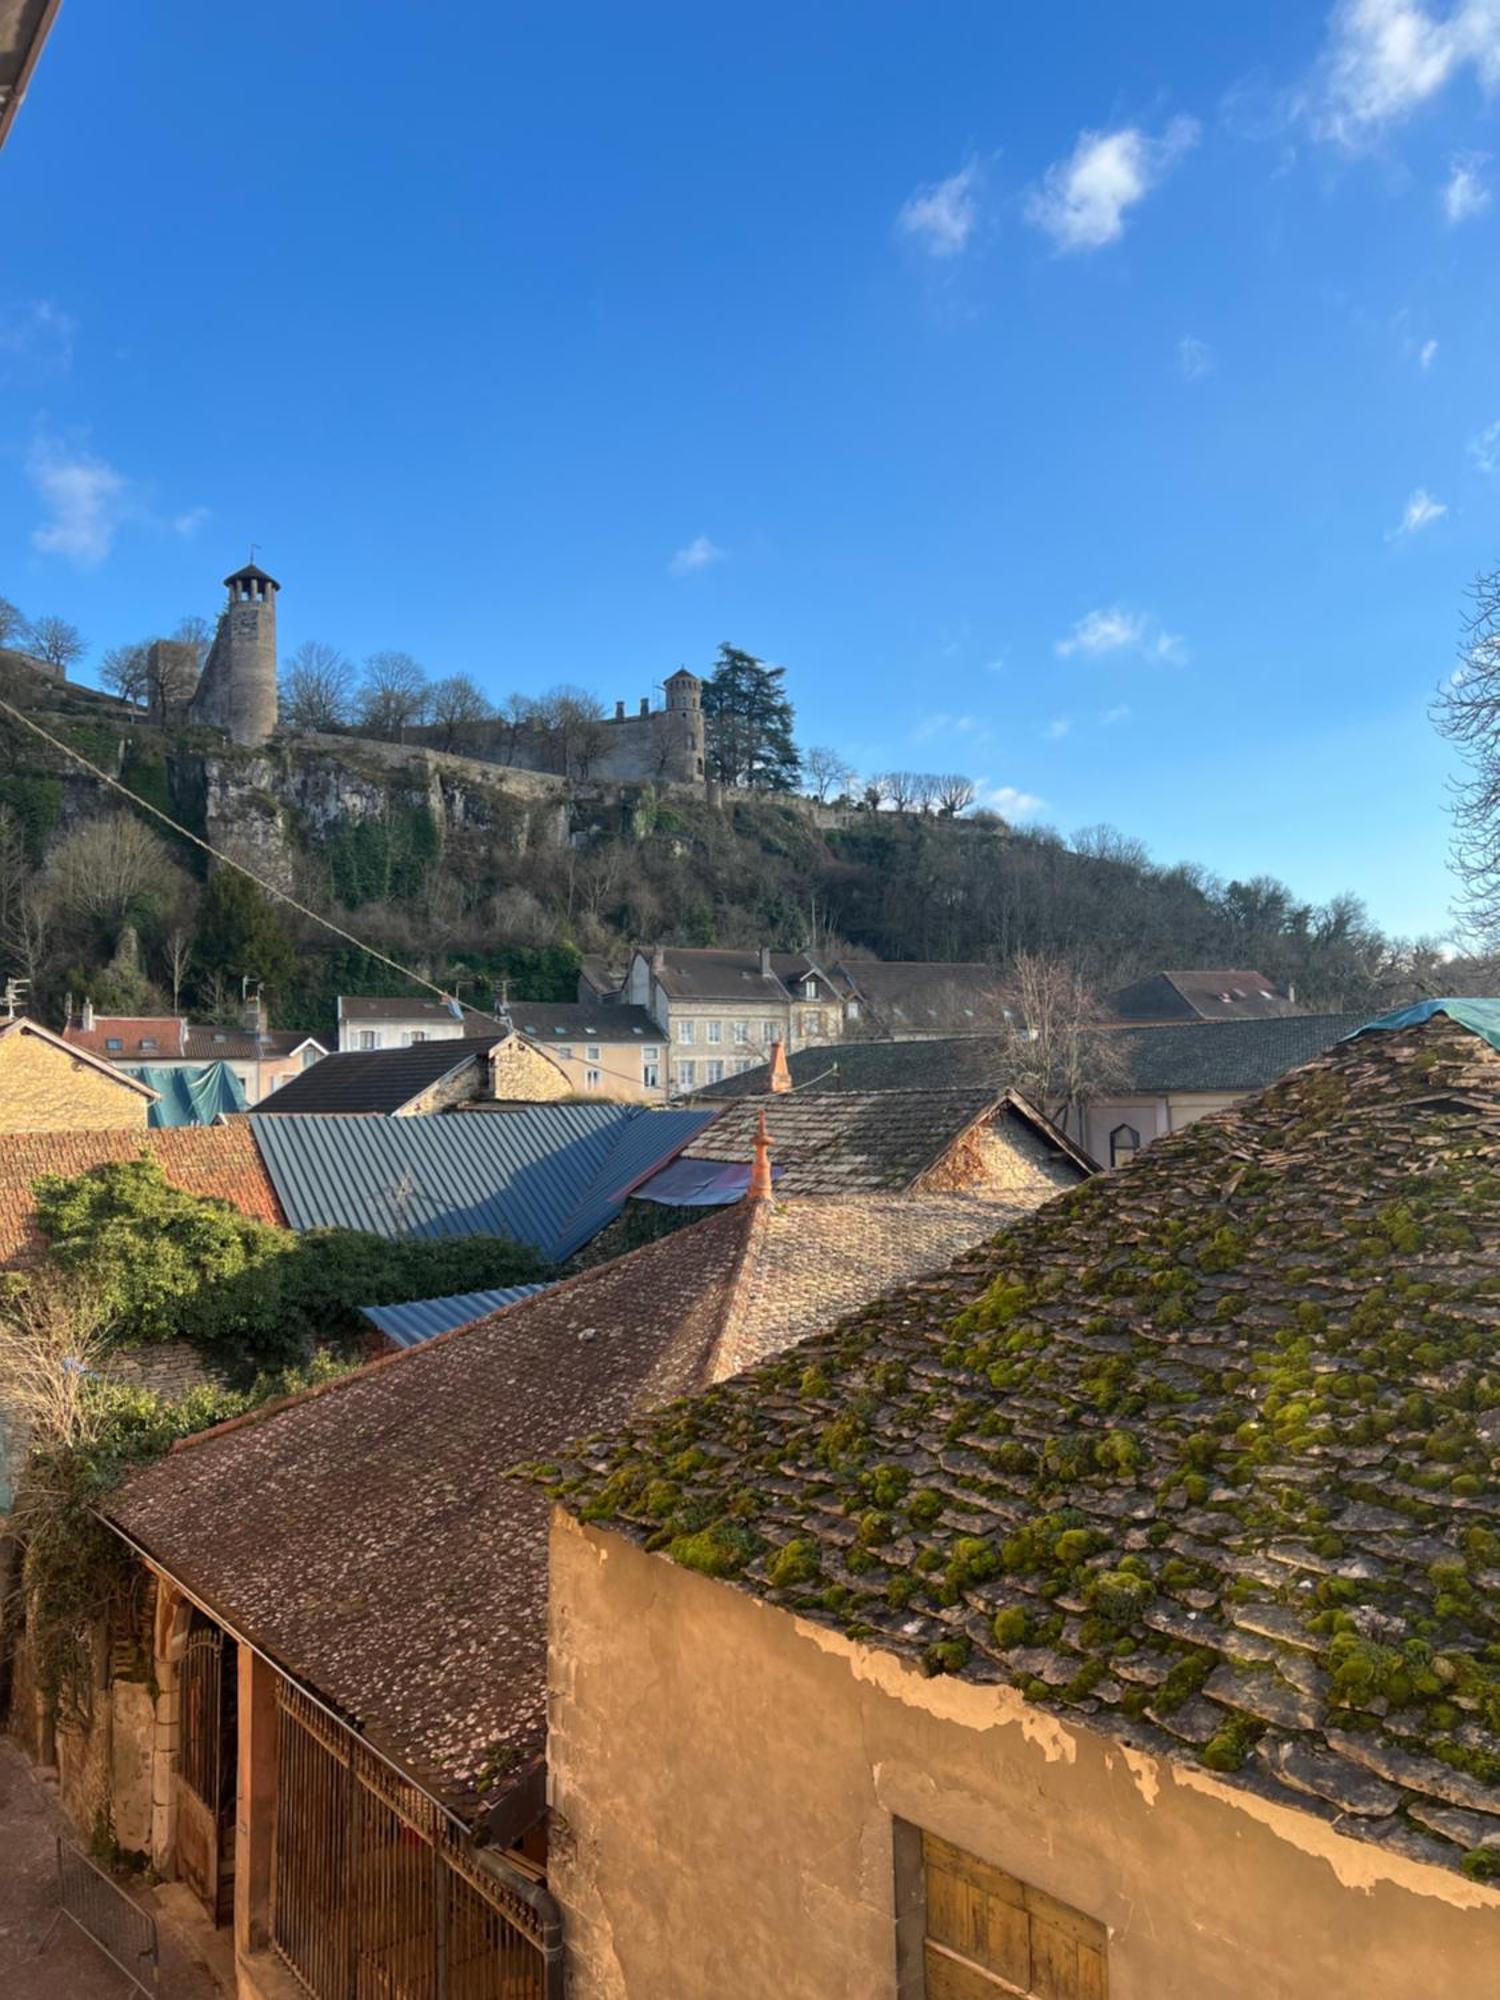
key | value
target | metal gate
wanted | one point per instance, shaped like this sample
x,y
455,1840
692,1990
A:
x,y
206,1768
374,1897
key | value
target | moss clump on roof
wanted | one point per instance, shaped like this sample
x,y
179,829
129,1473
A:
x,y
1205,1450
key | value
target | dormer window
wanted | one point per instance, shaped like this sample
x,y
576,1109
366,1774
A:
x,y
148,1042
113,1042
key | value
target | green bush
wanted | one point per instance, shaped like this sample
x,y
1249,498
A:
x,y
175,1266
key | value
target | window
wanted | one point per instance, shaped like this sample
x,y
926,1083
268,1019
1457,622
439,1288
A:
x,y
684,1031
148,1042
687,1075
651,1068
977,1932
591,1079
592,1054
714,1072
419,1034
566,1055
851,1008
369,1038
1124,1144
113,1042
742,1031
713,1031
811,1022
309,1057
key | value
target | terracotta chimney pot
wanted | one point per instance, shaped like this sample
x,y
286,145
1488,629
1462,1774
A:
x,y
781,1076
760,1172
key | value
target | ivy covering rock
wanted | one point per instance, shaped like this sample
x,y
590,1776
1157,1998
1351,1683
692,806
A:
x,y
1203,1454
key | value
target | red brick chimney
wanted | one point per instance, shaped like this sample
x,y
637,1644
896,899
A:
x,y
781,1076
760,1174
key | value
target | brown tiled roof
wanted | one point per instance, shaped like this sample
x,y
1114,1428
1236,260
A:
x,y
418,1604
1204,1453
209,1044
221,1160
164,1031
1212,994
921,996
844,1143
689,973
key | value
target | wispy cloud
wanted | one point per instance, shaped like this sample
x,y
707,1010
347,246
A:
x,y
1420,511
190,521
1427,354
1386,58
36,337
699,553
1083,200
1485,448
942,216
1112,717
1007,800
1465,192
995,666
1194,358
1117,630
943,722
1057,728
84,500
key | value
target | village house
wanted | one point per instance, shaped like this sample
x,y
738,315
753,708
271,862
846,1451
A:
x,y
722,1011
380,1822
379,1021
1112,1615
47,1085
1171,1076
904,999
615,1051
465,1072
260,1057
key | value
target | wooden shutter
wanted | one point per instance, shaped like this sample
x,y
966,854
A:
x,y
988,1934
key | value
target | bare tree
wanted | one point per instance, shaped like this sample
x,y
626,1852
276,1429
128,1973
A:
x,y
1056,1052
126,670
316,687
826,772
12,624
197,632
574,726
178,950
393,695
1467,712
876,791
109,871
955,793
517,715
456,706
901,789
57,642
172,673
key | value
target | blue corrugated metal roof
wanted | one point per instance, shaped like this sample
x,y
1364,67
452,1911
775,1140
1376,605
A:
x,y
543,1175
188,1096
419,1319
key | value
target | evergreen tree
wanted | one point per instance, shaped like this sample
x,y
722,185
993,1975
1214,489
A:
x,y
748,722
239,936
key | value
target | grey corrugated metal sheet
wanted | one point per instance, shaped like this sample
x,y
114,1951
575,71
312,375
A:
x,y
534,1175
646,1143
419,1319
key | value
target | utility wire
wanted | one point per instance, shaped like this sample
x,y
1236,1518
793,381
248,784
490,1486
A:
x,y
227,861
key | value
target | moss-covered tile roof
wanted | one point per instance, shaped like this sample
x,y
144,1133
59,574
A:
x,y
1203,1453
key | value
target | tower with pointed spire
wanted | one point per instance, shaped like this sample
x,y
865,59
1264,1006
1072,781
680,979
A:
x,y
237,691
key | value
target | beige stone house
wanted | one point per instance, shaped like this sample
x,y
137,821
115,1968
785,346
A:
x,y
1112,1617
48,1086
469,1073
722,1010
615,1051
262,1058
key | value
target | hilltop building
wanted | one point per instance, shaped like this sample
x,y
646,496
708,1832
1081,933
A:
x,y
237,692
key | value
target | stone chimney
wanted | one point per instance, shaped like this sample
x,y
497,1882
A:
x,y
87,1019
253,1014
765,961
658,959
781,1076
760,1173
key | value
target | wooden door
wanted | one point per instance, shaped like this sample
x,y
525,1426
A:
x,y
207,1767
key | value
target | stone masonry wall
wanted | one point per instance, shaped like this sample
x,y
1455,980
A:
x,y
44,1089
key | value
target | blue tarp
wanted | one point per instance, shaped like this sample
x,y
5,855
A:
x,y
699,1183
195,1096
1480,1017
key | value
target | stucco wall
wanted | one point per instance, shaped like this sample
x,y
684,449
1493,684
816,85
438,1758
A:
x,y
44,1089
726,1777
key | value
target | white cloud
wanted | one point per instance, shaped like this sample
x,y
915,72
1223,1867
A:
x,y
1420,512
1006,800
35,337
700,553
995,666
1117,630
1465,194
1427,354
188,523
1111,716
1386,58
1083,200
941,722
84,498
1057,728
1194,358
942,216
1485,448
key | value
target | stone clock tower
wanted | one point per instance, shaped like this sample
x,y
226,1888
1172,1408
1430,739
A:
x,y
237,692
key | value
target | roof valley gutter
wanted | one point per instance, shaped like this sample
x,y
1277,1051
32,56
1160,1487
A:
x,y
536,1894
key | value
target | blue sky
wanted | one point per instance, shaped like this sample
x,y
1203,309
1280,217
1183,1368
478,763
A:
x,y
1100,400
